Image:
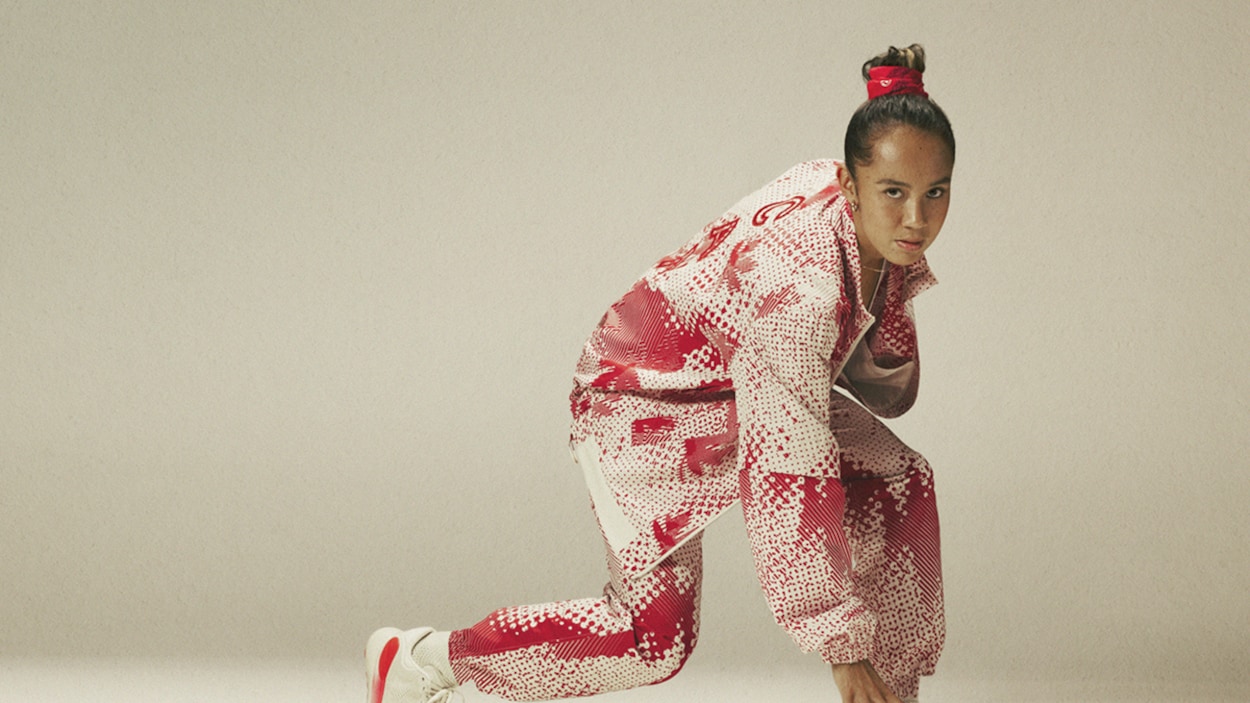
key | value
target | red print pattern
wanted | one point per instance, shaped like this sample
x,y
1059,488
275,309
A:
x,y
710,382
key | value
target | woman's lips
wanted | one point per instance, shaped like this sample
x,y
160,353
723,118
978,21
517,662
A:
x,y
908,245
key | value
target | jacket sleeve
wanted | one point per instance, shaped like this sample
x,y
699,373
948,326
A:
x,y
792,495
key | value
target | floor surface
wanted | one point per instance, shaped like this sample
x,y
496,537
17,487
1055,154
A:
x,y
144,681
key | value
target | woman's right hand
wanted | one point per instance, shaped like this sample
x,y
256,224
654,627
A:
x,y
859,683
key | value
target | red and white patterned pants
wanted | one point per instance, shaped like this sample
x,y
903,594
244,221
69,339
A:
x,y
644,627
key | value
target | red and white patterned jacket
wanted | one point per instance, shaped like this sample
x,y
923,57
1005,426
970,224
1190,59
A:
x,y
724,355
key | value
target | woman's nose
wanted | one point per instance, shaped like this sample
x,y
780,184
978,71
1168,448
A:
x,y
914,214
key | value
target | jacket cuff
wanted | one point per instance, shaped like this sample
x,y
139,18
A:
x,y
855,642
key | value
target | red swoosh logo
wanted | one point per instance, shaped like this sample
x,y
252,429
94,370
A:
x,y
384,668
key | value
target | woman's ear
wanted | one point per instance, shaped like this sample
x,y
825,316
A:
x,y
847,183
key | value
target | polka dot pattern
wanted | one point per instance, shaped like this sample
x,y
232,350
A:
x,y
640,632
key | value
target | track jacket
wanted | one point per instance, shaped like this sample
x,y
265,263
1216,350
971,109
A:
x,y
719,364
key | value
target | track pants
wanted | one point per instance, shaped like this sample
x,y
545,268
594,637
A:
x,y
643,629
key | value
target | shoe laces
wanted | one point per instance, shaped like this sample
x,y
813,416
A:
x,y
444,695
436,691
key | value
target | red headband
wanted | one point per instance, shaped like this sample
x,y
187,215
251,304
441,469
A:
x,y
894,80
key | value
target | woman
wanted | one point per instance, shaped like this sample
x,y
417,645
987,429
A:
x,y
712,381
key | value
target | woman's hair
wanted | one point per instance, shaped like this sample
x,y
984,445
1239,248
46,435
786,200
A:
x,y
878,115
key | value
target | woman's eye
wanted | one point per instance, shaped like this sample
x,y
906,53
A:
x,y
893,193
937,192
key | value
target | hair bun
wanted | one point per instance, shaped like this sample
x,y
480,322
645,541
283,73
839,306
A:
x,y
912,57
896,96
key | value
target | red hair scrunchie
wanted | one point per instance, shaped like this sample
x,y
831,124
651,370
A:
x,y
894,80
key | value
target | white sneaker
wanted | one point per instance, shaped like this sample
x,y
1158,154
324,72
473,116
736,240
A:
x,y
393,676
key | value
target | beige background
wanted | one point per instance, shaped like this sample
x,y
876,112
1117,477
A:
x,y
290,296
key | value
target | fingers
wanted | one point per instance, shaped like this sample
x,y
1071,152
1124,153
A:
x,y
860,683
883,690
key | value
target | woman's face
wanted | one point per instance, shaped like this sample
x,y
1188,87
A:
x,y
902,195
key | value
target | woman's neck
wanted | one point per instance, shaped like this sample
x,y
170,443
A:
x,y
870,280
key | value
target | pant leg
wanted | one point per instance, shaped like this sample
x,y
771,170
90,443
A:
x,y
641,631
891,522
